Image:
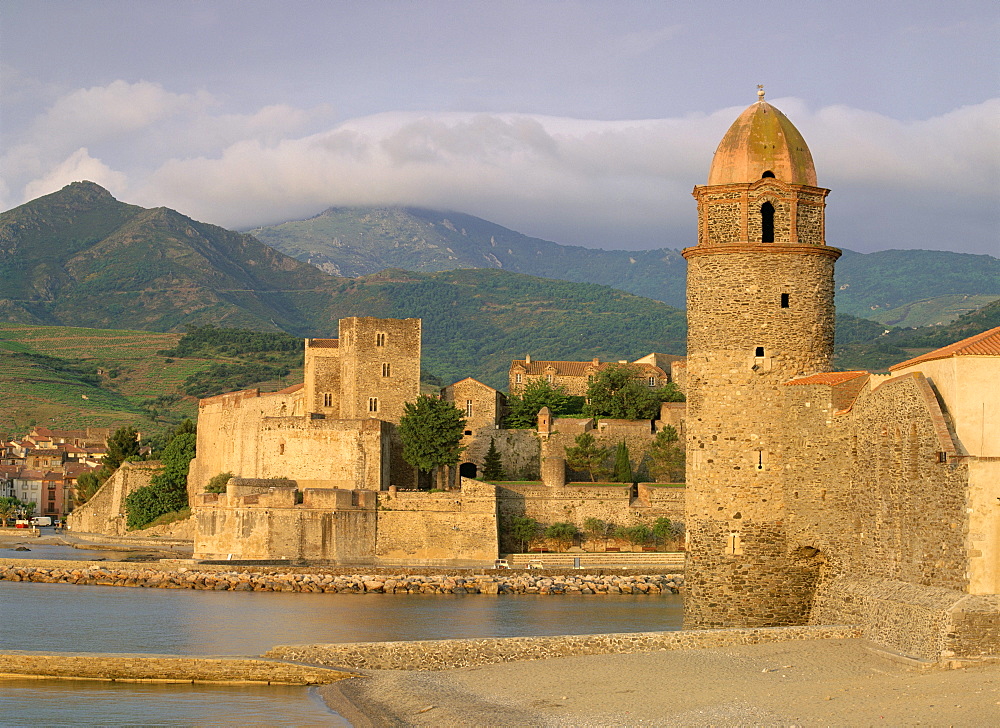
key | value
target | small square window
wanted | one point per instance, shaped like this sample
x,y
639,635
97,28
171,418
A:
x,y
759,351
784,300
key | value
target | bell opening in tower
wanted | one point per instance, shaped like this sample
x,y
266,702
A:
x,y
768,173
767,223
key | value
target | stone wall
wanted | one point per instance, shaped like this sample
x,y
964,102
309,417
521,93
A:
x,y
242,434
428,528
458,653
145,668
926,622
577,502
105,513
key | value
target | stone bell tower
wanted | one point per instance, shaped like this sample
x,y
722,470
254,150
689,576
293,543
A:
x,y
760,312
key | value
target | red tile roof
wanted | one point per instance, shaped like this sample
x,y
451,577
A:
x,y
579,368
325,343
985,344
829,378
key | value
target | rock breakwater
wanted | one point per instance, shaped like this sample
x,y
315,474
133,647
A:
x,y
361,583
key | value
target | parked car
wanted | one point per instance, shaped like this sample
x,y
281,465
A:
x,y
501,564
41,521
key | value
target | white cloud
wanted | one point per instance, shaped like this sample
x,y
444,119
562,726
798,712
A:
x,y
77,166
613,183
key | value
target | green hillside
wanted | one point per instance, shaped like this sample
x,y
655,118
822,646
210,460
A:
x,y
79,257
69,377
891,286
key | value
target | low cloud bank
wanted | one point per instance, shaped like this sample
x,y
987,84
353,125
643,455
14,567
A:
x,y
623,184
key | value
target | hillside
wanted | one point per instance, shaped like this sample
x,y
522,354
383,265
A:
x,y
897,287
80,257
69,377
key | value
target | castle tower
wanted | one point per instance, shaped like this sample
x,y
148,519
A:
x,y
760,311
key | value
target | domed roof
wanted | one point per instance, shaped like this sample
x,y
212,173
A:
x,y
762,140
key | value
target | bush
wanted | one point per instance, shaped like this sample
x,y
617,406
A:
x,y
218,483
563,533
168,490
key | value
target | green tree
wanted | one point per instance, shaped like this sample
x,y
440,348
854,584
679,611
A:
x,y
217,484
595,528
431,430
86,485
167,491
524,529
492,464
666,457
622,472
8,508
122,445
563,533
663,531
619,391
638,535
587,456
522,409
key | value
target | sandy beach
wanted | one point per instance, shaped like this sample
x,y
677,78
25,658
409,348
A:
x,y
805,683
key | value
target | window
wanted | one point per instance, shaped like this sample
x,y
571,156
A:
x,y
386,370
373,404
768,173
327,399
759,351
767,223
52,486
784,300
548,377
468,408
517,378
652,381
380,339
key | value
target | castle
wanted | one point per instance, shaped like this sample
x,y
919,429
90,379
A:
x,y
812,496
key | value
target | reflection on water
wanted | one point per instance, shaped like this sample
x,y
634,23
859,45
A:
x,y
64,617
87,703
64,552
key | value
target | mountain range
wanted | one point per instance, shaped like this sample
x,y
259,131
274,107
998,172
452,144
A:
x,y
896,287
81,258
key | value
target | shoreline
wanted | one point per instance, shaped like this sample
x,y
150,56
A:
x,y
805,682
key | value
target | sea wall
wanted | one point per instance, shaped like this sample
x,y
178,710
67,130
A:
x,y
450,654
513,582
163,669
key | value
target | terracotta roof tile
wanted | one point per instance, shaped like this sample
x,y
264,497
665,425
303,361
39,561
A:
x,y
324,343
578,368
829,378
292,389
985,344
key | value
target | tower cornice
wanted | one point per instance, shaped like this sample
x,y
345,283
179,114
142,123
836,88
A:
x,y
723,248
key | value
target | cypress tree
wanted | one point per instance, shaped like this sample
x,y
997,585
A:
x,y
623,467
493,465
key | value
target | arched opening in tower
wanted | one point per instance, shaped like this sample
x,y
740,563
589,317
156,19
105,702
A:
x,y
768,173
767,223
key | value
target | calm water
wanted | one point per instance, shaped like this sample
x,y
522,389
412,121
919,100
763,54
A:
x,y
86,703
63,617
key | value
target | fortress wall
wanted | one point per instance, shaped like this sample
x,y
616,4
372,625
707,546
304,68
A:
x,y
241,436
576,503
346,536
227,432
434,527
105,511
519,450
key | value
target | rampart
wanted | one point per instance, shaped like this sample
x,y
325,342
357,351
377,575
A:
x,y
458,653
105,513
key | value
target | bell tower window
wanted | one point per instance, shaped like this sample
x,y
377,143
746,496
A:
x,y
767,223
768,173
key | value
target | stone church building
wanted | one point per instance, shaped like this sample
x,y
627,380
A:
x,y
813,495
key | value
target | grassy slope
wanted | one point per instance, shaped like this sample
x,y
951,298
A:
x,y
52,393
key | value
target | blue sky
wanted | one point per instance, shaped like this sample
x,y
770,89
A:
x,y
580,122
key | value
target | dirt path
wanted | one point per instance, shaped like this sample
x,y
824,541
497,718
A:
x,y
815,683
